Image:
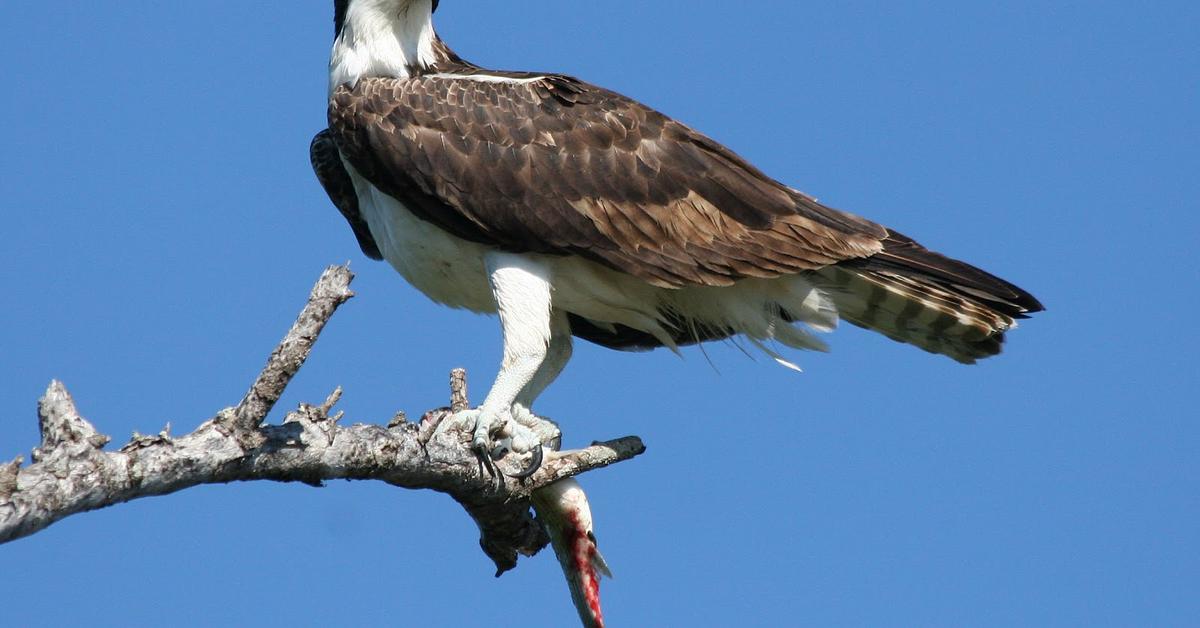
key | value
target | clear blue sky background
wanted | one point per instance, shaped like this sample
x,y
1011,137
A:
x,y
162,227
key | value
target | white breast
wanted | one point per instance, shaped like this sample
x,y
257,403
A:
x,y
445,268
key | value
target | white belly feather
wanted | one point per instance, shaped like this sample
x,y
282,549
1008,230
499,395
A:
x,y
445,268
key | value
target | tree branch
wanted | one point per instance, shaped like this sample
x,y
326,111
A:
x,y
71,473
331,290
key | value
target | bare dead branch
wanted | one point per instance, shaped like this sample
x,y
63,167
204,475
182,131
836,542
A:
x,y
71,472
331,290
458,390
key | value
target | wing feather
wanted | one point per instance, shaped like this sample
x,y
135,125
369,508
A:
x,y
558,166
331,173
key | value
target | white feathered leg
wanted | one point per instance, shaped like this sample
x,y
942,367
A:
x,y
521,288
557,355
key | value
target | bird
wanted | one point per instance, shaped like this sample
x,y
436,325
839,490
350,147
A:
x,y
573,211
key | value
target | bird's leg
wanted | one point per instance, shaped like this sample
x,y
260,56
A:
x,y
521,288
557,355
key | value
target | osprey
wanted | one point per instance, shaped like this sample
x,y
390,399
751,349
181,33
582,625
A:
x,y
571,210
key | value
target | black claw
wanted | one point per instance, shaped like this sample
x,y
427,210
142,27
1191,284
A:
x,y
534,464
485,459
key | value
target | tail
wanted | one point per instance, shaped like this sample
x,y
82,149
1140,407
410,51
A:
x,y
916,296
904,291
564,509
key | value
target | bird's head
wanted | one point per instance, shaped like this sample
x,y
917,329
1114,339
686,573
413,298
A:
x,y
393,38
396,9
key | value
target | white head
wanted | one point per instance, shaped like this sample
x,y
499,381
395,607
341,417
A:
x,y
381,38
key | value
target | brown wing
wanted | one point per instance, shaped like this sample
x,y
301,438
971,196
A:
x,y
327,164
557,166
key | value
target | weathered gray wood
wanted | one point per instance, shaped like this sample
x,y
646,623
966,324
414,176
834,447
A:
x,y
331,290
72,473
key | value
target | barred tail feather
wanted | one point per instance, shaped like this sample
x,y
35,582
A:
x,y
917,311
904,291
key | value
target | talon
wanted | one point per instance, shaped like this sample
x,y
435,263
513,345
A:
x,y
535,463
485,459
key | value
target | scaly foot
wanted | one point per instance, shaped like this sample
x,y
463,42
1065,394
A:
x,y
493,435
545,430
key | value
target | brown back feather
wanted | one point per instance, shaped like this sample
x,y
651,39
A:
x,y
558,166
610,180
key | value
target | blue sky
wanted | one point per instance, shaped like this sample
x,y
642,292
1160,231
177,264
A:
x,y
162,227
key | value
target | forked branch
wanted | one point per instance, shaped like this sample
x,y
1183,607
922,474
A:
x,y
72,473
